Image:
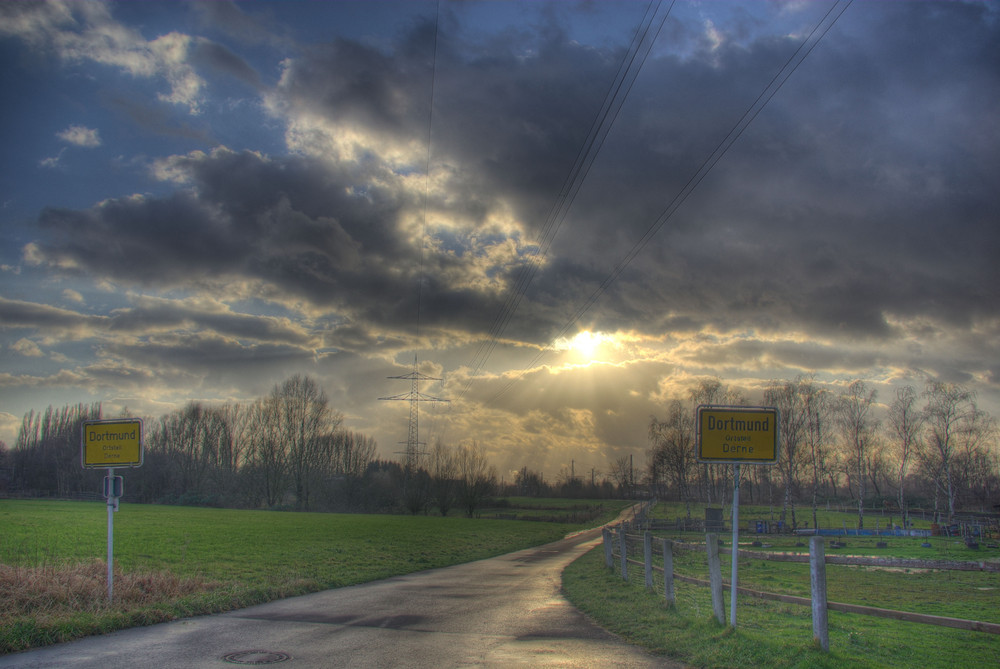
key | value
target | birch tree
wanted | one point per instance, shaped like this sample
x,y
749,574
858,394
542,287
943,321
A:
x,y
818,409
858,428
905,424
785,396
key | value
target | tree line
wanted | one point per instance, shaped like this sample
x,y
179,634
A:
x,y
934,448
286,450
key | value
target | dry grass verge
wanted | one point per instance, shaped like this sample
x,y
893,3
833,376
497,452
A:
x,y
60,602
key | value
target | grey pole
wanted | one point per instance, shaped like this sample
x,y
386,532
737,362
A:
x,y
736,537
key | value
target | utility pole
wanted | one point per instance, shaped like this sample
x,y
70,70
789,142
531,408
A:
x,y
411,455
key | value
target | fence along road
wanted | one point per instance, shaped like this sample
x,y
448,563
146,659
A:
x,y
501,612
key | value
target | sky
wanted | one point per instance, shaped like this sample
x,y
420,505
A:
x,y
569,213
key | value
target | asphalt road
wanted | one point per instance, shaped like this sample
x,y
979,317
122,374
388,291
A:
x,y
501,612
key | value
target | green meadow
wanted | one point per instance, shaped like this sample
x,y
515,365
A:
x,y
179,561
776,634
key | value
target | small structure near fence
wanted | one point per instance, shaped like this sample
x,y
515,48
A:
x,y
616,545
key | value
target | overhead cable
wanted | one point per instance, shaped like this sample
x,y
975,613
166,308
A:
x,y
779,79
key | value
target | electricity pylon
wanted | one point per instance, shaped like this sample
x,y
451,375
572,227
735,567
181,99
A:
x,y
413,452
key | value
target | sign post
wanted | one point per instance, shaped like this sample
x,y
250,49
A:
x,y
111,444
736,435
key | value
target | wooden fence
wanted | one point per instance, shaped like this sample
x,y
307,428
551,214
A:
x,y
617,542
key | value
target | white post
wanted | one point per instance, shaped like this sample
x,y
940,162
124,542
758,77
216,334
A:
x,y
715,577
736,538
111,532
817,578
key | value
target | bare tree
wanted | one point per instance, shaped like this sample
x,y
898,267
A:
x,y
304,417
46,453
444,476
530,483
713,391
350,452
975,458
623,475
269,464
858,427
948,408
785,396
477,477
672,451
818,409
905,424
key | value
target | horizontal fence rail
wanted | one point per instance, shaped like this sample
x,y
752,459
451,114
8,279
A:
x,y
856,560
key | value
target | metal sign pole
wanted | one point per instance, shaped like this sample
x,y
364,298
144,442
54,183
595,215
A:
x,y
736,435
736,545
109,444
109,491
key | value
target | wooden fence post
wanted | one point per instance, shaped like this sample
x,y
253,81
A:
x,y
609,547
668,571
623,547
817,578
715,576
647,554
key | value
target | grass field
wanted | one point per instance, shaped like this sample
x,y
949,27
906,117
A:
x,y
780,635
179,561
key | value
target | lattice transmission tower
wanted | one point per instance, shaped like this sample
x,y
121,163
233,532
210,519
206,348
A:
x,y
412,453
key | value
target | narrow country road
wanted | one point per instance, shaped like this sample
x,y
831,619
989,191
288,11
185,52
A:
x,y
501,612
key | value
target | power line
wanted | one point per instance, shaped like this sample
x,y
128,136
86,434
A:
x,y
414,397
427,165
601,126
779,79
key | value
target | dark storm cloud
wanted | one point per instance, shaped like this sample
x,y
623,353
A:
x,y
210,353
361,85
19,314
249,217
151,315
140,240
861,193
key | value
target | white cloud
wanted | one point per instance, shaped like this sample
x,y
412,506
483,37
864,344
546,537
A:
x,y
714,36
53,161
86,31
78,135
71,295
27,348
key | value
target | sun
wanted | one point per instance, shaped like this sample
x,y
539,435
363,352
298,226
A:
x,y
585,343
586,346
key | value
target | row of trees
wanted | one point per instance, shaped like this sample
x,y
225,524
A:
x,y
288,449
935,446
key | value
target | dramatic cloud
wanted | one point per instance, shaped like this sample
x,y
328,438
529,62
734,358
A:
x,y
340,189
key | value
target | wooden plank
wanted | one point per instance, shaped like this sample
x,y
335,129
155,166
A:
x,y
858,560
940,621
859,609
